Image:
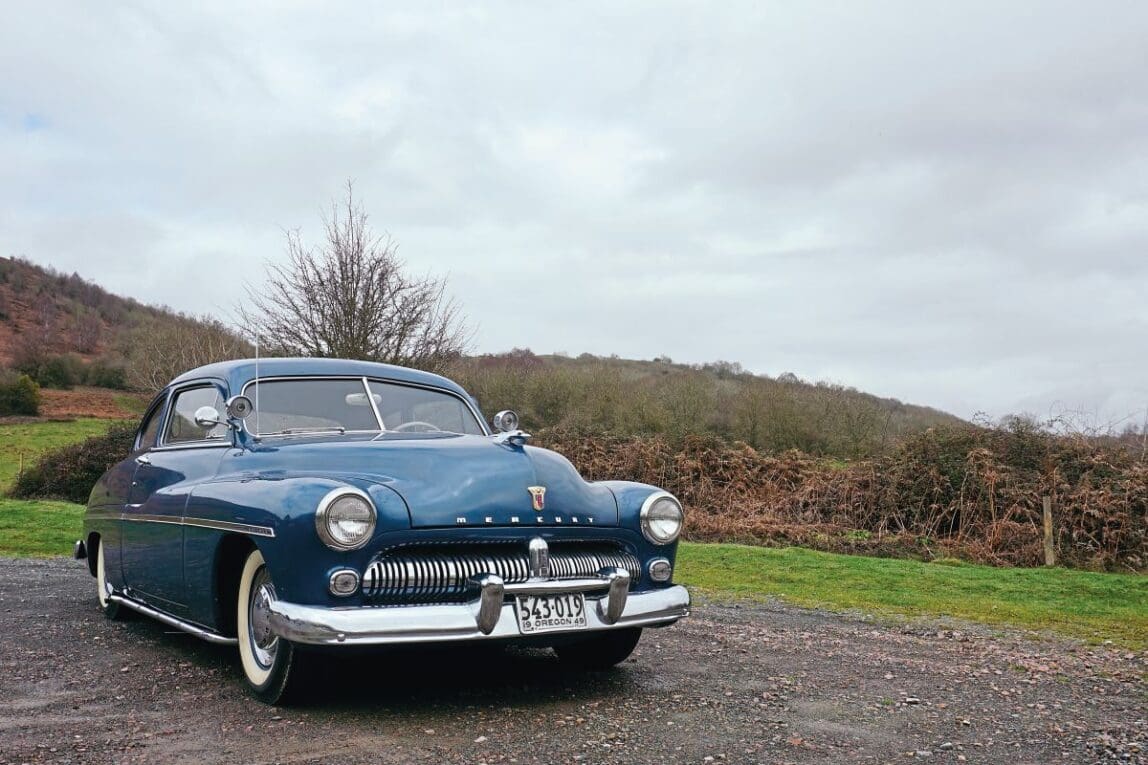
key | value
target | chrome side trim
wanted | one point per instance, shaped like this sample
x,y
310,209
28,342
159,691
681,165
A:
x,y
203,523
171,621
316,625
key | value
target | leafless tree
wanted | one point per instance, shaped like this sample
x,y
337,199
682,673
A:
x,y
351,297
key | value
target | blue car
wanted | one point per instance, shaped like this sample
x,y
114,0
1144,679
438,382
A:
x,y
282,505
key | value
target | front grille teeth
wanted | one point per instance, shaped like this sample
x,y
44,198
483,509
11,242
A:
x,y
424,575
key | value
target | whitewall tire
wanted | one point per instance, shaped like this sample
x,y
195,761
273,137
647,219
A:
x,y
269,662
111,609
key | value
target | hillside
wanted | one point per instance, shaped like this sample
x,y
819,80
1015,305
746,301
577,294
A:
x,y
63,330
662,398
62,313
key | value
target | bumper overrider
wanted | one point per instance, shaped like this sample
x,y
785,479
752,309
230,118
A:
x,y
490,615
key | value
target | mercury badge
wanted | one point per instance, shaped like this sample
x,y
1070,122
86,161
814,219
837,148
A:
x,y
537,497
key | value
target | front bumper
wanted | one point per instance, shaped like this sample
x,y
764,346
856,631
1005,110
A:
x,y
486,617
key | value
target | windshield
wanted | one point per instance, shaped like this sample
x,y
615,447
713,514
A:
x,y
340,405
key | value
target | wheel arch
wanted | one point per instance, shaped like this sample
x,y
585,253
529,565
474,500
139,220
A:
x,y
230,556
92,544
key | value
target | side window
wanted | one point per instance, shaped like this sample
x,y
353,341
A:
x,y
181,427
150,428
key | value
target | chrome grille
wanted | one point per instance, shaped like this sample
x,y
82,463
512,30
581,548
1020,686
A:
x,y
439,573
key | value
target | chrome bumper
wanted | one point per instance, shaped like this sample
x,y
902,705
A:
x,y
485,617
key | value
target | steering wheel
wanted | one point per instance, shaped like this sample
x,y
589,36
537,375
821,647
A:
x,y
417,426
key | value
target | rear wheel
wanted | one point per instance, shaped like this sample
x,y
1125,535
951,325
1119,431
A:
x,y
111,609
600,651
269,661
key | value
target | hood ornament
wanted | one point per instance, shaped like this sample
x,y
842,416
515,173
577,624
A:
x,y
537,497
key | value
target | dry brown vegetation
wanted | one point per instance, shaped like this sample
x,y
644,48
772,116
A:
x,y
953,491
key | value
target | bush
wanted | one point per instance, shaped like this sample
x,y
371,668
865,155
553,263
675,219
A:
x,y
19,394
103,374
61,372
68,473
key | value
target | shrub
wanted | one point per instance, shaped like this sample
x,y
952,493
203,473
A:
x,y
104,374
68,473
19,394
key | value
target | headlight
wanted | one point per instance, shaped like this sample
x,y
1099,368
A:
x,y
345,519
661,518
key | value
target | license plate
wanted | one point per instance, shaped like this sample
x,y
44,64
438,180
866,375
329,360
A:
x,y
543,613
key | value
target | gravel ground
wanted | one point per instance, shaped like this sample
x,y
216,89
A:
x,y
733,683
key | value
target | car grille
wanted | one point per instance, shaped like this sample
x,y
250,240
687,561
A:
x,y
439,574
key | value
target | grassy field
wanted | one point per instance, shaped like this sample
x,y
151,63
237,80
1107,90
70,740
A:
x,y
1082,604
34,527
22,443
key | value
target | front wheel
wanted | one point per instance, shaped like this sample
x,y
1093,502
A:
x,y
600,651
269,662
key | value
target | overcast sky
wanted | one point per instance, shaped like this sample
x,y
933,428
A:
x,y
944,203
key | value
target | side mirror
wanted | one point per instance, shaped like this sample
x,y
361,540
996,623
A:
x,y
207,417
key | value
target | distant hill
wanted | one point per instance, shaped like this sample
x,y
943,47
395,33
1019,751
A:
x,y
660,397
55,325
63,330
62,313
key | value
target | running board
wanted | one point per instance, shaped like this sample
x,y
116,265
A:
x,y
171,621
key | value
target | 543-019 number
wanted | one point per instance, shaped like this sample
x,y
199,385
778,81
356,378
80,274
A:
x,y
542,613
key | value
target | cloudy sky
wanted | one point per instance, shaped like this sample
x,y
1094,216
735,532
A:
x,y
946,203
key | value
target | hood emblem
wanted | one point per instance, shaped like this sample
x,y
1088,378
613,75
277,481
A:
x,y
537,497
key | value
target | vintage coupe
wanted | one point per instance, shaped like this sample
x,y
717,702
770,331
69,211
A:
x,y
289,504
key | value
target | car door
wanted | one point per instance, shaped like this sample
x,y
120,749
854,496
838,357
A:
x,y
165,474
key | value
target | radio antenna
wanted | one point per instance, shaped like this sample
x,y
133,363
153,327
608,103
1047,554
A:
x,y
257,431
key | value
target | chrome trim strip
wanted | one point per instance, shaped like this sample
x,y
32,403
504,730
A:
x,y
315,625
171,621
203,523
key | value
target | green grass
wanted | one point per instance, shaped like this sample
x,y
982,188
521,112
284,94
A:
x,y
38,528
1081,604
27,441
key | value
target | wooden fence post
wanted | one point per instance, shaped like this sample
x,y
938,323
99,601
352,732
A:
x,y
1049,548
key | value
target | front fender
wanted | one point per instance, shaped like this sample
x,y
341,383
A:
x,y
298,561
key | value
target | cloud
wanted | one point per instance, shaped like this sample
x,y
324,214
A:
x,y
946,206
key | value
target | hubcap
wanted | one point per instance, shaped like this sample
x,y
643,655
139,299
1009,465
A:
x,y
264,642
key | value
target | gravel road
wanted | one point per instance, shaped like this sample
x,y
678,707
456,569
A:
x,y
733,683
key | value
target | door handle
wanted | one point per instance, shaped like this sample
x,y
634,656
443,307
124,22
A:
x,y
143,459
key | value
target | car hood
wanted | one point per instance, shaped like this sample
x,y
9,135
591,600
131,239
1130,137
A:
x,y
446,477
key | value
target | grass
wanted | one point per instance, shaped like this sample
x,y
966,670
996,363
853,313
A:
x,y
38,528
23,443
1091,606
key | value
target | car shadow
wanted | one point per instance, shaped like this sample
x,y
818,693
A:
x,y
456,675
406,677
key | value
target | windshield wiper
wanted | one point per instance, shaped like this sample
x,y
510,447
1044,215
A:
x,y
295,431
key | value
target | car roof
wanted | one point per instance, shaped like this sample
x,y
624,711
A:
x,y
240,371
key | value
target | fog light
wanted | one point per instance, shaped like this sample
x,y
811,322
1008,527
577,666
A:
x,y
660,570
344,582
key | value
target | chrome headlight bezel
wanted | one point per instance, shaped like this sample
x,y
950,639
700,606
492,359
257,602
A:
x,y
660,497
323,519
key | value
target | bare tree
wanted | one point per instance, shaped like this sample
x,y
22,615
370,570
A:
x,y
351,297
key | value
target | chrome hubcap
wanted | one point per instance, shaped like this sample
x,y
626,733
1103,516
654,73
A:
x,y
264,642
